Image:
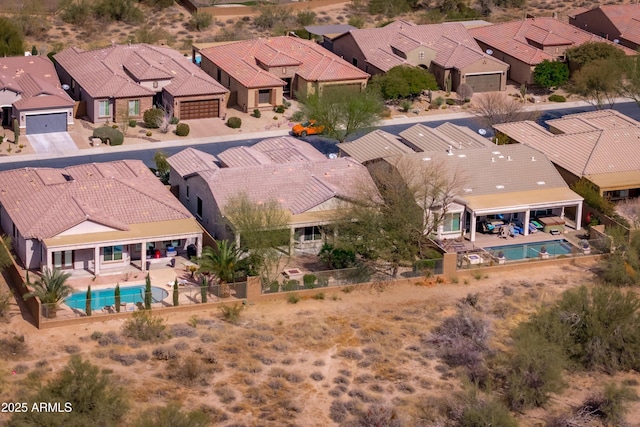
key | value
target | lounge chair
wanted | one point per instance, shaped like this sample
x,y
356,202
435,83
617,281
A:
x,y
532,228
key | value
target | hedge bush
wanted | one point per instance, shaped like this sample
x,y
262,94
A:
x,y
109,135
234,122
182,129
309,281
279,109
153,117
257,113
557,98
450,101
174,120
133,123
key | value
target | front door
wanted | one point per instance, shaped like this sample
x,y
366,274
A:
x,y
63,260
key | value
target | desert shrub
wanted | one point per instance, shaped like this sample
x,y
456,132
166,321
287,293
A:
x,y
405,105
144,326
172,415
592,196
133,123
337,258
338,411
318,296
533,372
293,298
488,413
142,356
200,21
257,114
279,109
450,101
461,340
91,392
182,129
290,285
351,354
611,404
596,329
231,313
234,122
187,370
153,118
109,135
557,98
378,415
316,376
165,353
424,265
297,116
13,346
309,280
124,359
180,330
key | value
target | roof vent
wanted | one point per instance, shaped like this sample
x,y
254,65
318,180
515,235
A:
x,y
533,159
450,151
540,183
420,134
508,158
499,186
462,155
493,160
495,152
468,190
426,159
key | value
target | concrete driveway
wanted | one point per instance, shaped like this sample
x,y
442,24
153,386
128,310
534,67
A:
x,y
57,143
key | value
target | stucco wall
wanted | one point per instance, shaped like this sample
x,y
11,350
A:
x,y
596,22
8,97
121,109
346,47
519,71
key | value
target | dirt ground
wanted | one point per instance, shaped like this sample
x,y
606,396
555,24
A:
x,y
293,362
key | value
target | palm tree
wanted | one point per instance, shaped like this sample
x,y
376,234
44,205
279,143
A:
x,y
51,288
223,261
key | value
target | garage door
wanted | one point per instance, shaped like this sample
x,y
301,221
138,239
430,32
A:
x,y
484,82
202,109
46,123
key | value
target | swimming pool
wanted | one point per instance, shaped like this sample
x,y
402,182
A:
x,y
532,250
101,298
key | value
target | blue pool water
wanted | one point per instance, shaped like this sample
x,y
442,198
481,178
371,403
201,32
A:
x,y
532,250
103,297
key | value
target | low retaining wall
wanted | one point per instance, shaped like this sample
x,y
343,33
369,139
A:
x,y
15,280
251,11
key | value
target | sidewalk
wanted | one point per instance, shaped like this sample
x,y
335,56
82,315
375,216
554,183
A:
x,y
239,135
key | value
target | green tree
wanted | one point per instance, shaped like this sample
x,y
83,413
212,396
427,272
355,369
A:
x,y
582,55
630,84
343,116
200,21
172,416
116,298
88,302
550,74
223,261
403,81
147,292
118,10
597,82
306,17
11,38
51,288
388,8
176,294
272,15
76,12
162,165
93,397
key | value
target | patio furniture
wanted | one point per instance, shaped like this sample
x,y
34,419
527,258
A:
x,y
532,228
550,223
108,309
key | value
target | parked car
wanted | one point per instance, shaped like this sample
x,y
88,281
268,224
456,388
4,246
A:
x,y
307,128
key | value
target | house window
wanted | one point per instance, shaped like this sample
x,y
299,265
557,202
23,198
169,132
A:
x,y
112,253
134,107
219,74
63,259
451,222
138,247
104,109
421,55
155,85
308,234
187,196
199,208
354,61
174,243
264,96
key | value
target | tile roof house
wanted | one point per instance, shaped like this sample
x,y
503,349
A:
x,y
31,93
601,146
98,217
523,44
123,81
308,186
513,182
379,144
613,22
259,72
447,50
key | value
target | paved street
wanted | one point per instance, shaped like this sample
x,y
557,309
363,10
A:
x,y
217,144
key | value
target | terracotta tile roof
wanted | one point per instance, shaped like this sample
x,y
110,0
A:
x,y
513,38
313,62
377,144
454,46
599,142
298,187
114,72
35,79
189,161
45,202
425,139
284,149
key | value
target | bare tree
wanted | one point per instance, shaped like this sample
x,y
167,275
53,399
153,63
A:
x,y
493,108
167,115
630,209
464,92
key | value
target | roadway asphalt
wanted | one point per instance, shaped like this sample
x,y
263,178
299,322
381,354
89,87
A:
x,y
217,144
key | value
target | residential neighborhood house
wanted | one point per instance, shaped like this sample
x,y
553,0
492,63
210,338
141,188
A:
x,y
619,23
121,82
508,183
98,217
261,71
523,44
30,92
447,50
601,146
308,186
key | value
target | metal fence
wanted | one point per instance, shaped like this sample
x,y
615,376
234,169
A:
x,y
322,279
528,252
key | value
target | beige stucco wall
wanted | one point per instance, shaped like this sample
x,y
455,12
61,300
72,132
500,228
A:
x,y
519,71
121,109
596,22
485,65
8,97
346,47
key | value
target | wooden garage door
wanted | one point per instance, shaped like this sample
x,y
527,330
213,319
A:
x,y
484,82
202,109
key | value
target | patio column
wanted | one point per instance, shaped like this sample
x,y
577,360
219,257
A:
x,y
472,236
291,237
562,213
49,260
199,246
143,255
96,261
579,217
527,218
